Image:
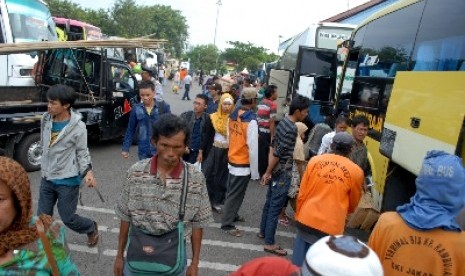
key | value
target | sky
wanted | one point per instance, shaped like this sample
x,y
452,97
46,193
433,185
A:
x,y
260,22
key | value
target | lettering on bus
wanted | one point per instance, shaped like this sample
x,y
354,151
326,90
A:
x,y
376,122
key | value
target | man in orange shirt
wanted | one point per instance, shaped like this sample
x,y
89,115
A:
x,y
330,189
423,236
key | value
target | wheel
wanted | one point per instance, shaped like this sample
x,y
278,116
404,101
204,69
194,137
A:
x,y
400,187
29,152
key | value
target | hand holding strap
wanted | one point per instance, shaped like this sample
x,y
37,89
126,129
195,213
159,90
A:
x,y
47,247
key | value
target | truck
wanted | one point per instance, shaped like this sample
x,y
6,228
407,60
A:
x,y
105,85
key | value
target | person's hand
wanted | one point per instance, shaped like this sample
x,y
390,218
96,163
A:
x,y
186,150
90,179
125,154
118,266
265,178
192,270
200,157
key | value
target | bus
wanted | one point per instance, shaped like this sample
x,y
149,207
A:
x,y
23,21
77,30
407,73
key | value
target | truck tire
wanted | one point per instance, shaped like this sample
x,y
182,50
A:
x,y
29,153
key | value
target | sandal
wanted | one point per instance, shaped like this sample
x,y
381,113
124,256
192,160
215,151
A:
x,y
260,236
234,232
92,238
239,219
277,251
284,221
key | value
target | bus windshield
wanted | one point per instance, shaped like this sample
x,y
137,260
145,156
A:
x,y
30,21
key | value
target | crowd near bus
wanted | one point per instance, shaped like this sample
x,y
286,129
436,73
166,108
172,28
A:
x,y
371,135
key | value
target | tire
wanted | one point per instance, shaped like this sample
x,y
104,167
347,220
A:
x,y
29,152
400,187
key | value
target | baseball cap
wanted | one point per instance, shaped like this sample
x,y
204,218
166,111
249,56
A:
x,y
343,139
341,255
217,87
249,93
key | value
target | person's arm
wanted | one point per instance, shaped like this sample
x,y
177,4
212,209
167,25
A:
x,y
356,190
325,141
252,143
122,240
272,127
83,156
131,129
196,240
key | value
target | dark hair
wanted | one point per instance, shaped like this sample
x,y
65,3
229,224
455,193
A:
x,y
203,97
341,149
169,125
246,101
342,119
299,103
270,90
147,85
62,93
360,119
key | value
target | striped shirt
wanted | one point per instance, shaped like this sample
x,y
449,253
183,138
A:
x,y
284,142
152,205
265,111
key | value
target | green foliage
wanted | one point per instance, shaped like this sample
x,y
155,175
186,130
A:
x,y
247,55
204,57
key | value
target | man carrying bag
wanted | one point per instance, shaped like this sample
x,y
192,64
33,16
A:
x,y
161,196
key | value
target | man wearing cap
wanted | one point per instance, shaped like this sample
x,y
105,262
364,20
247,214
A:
x,y
279,172
242,136
330,189
215,90
423,237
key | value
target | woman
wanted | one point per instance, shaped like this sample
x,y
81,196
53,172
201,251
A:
x,y
215,167
21,248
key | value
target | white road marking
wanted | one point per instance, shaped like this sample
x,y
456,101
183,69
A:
x,y
238,245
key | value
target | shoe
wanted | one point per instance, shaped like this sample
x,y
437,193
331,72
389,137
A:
x,y
234,232
92,238
276,250
217,208
260,236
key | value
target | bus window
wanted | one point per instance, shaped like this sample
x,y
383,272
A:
x,y
440,51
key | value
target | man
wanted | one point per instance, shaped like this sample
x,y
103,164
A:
x,y
142,117
187,87
197,147
359,155
161,75
65,162
150,198
148,75
266,113
242,159
279,171
330,189
423,236
215,91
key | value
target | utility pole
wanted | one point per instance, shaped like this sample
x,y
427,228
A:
x,y
279,42
217,15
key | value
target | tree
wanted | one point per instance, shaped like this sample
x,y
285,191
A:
x,y
247,55
204,57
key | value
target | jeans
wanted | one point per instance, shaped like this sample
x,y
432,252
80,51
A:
x,y
237,186
276,198
186,91
66,198
301,247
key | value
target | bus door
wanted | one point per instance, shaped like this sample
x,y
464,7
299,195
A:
x,y
315,78
283,80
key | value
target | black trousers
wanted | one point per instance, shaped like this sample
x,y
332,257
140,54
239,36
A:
x,y
264,140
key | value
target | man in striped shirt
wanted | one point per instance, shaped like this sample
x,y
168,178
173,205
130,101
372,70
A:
x,y
279,171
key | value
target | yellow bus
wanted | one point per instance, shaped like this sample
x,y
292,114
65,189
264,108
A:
x,y
405,66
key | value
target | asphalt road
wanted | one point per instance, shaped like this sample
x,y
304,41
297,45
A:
x,y
220,254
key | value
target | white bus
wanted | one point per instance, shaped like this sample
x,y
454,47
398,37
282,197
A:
x,y
23,21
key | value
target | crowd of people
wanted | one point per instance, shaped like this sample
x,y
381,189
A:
x,y
202,162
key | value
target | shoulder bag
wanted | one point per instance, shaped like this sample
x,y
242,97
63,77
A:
x,y
47,247
159,254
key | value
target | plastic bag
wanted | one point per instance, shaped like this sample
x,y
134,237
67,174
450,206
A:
x,y
198,166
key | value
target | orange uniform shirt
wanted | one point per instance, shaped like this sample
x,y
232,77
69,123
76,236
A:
x,y
405,251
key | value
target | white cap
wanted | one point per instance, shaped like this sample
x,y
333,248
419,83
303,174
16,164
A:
x,y
341,255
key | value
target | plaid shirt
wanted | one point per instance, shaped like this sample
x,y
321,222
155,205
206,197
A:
x,y
153,206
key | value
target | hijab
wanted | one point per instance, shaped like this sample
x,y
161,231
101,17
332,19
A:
x,y
219,118
299,153
440,193
20,231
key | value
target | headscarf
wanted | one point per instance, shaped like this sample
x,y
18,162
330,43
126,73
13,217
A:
x,y
299,153
20,231
440,193
219,118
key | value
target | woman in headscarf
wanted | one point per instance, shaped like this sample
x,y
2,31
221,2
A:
x,y
215,167
21,248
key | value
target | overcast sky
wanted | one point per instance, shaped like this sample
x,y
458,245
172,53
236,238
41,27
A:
x,y
260,22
